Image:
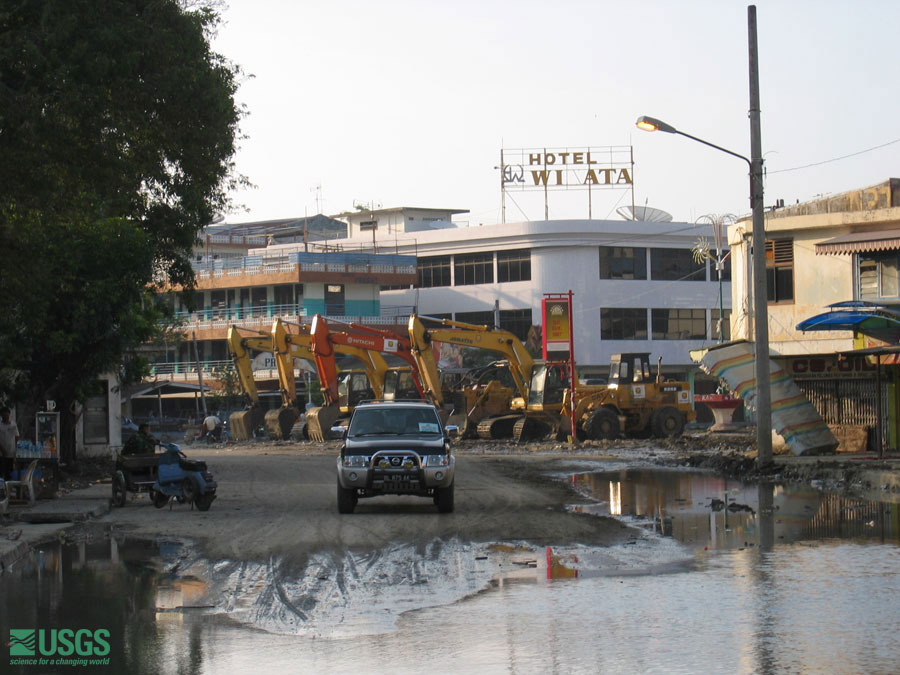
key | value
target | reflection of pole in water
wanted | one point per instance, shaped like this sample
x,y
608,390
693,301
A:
x,y
766,516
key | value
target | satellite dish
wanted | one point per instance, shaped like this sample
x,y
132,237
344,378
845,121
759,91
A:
x,y
645,214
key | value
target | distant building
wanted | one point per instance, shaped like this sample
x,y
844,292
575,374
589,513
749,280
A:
x,y
839,249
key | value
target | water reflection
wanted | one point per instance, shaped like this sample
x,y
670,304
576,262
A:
x,y
710,512
121,586
746,603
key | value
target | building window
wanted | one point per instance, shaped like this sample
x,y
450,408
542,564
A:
x,y
516,321
623,262
714,325
288,298
675,264
434,271
477,318
678,324
514,265
259,301
879,276
623,323
473,268
780,270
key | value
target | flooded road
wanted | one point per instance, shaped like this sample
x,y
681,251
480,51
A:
x,y
715,577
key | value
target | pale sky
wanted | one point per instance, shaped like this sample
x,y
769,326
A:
x,y
409,102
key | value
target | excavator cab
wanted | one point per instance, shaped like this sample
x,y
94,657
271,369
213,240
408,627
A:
x,y
549,383
353,388
400,385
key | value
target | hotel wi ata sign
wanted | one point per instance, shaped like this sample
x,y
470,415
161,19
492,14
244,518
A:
x,y
566,168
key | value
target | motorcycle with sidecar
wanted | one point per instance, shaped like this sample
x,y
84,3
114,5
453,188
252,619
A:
x,y
167,475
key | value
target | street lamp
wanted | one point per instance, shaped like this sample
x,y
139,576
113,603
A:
x,y
760,315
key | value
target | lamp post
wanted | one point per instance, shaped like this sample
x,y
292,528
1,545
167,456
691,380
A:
x,y
760,295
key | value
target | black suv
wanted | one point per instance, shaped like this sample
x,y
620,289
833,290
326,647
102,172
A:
x,y
395,448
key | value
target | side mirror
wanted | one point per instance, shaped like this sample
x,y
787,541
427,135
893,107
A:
x,y
339,432
452,430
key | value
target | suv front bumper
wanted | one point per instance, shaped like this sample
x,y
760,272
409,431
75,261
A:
x,y
395,472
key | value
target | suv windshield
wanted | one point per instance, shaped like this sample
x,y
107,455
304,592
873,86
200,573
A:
x,y
394,422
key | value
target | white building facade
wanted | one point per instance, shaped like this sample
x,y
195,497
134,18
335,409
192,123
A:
x,y
636,285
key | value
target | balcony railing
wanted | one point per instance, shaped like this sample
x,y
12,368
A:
x,y
357,263
262,316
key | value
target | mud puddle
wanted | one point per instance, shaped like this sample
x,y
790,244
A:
x,y
704,511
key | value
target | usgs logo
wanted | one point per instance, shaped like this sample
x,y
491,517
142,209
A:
x,y
58,642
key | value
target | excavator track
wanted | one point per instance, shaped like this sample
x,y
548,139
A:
x,y
536,427
500,426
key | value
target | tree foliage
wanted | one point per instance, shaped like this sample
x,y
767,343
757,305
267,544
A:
x,y
117,130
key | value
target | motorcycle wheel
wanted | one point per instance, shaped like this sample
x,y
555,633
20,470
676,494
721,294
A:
x,y
160,499
188,491
203,502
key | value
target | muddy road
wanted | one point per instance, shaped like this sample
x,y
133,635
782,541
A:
x,y
281,501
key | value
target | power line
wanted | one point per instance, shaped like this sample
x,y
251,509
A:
x,y
836,159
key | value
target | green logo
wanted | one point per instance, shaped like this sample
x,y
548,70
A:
x,y
21,642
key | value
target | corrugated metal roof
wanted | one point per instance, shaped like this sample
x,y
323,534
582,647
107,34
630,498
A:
x,y
861,242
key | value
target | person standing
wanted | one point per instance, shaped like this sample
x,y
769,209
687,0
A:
x,y
9,436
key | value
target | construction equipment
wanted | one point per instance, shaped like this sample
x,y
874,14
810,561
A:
x,y
634,403
366,343
540,405
482,409
278,422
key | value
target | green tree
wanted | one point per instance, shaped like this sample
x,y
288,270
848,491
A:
x,y
118,127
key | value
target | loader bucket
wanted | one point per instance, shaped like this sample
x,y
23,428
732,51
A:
x,y
280,421
319,421
243,422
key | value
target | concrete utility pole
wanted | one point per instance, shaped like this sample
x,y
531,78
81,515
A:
x,y
760,294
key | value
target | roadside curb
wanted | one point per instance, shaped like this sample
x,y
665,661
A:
x,y
45,520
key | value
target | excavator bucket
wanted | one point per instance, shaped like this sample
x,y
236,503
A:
x,y
280,421
319,421
462,423
243,422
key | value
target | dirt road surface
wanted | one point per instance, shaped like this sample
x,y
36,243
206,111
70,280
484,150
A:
x,y
280,500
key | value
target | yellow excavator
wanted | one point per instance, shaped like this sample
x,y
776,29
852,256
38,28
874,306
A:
x,y
486,410
278,422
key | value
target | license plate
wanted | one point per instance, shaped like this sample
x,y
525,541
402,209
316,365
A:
x,y
397,478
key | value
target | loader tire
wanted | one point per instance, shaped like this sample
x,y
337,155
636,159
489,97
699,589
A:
x,y
603,424
667,422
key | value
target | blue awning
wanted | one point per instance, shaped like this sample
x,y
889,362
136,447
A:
x,y
867,318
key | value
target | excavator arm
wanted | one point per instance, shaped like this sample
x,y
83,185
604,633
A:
x,y
243,423
423,354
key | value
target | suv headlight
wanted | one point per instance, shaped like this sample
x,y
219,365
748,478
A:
x,y
437,460
357,461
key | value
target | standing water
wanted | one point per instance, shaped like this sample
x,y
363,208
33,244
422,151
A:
x,y
719,577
